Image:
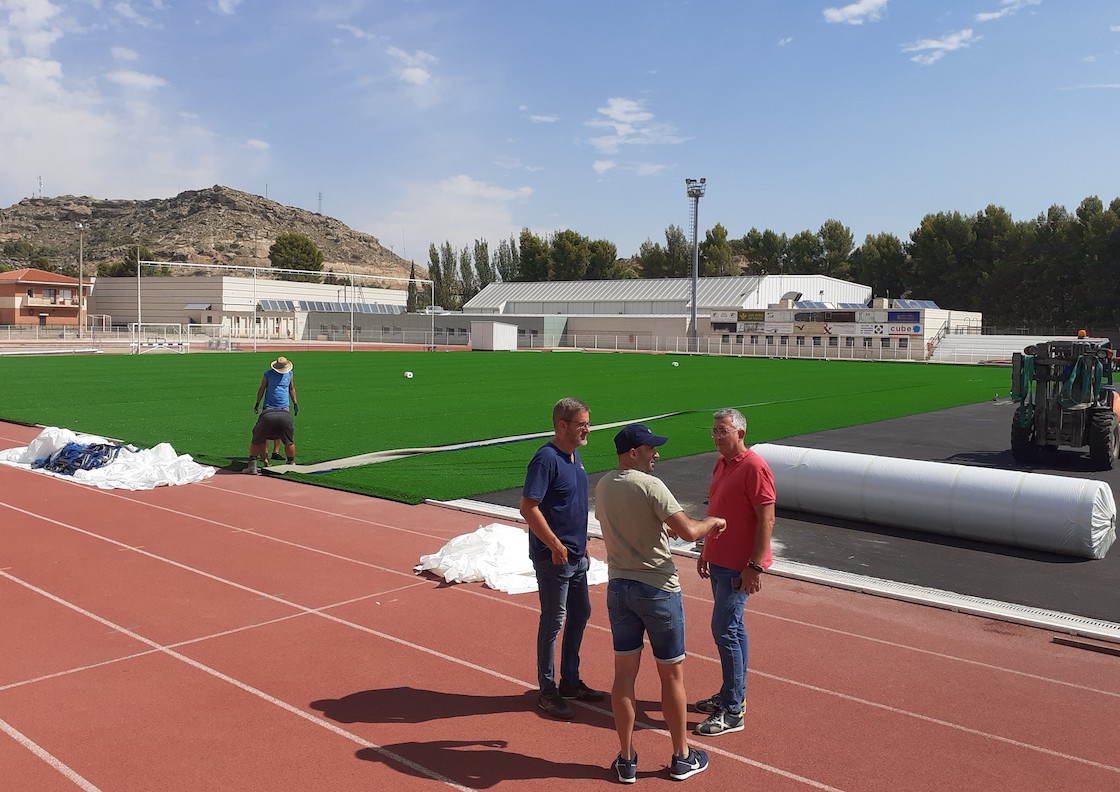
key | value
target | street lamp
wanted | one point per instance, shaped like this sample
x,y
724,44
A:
x,y
81,297
695,188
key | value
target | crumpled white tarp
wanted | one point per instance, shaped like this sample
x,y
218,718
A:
x,y
497,555
133,469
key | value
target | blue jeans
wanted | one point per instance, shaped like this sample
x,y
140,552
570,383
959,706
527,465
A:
x,y
730,635
564,602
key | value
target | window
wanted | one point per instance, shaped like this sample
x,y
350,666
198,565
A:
x,y
849,341
903,342
784,341
816,341
833,341
867,342
769,340
754,340
801,341
50,294
885,343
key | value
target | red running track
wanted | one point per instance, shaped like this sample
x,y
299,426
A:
x,y
248,633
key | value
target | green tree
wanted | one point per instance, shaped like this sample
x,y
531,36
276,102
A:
x,y
766,252
534,257
941,250
678,253
602,256
836,249
569,257
652,262
449,285
881,263
435,272
483,267
715,253
126,267
506,260
295,251
468,281
412,302
805,253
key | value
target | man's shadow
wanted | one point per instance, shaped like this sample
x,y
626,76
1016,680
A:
x,y
414,705
479,764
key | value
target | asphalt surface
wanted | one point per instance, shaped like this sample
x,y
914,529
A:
x,y
973,435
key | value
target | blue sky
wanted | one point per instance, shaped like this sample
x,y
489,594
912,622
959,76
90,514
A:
x,y
422,121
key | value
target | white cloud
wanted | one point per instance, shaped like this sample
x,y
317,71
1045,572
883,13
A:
x,y
1007,8
29,30
784,41
932,50
134,79
544,119
123,54
602,166
257,145
856,13
1114,28
126,11
227,6
1092,87
629,124
412,67
458,209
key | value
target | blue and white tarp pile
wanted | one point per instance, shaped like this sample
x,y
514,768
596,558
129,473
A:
x,y
497,555
131,468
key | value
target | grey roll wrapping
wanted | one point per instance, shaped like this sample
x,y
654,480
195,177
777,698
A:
x,y
1071,516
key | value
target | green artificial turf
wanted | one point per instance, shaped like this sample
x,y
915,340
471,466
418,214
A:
x,y
357,402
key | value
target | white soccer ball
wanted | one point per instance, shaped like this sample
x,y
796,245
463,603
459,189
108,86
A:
x,y
675,364
408,375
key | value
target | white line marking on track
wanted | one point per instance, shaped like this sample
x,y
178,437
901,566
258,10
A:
x,y
243,686
52,760
361,628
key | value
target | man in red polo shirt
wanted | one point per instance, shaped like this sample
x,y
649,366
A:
x,y
742,492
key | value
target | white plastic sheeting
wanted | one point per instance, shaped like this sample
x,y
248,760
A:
x,y
497,555
1057,514
133,469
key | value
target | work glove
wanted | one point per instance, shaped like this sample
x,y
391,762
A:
x,y
295,408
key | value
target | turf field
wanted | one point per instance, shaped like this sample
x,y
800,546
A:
x,y
358,402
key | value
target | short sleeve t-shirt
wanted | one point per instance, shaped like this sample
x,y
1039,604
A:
x,y
737,486
559,484
631,507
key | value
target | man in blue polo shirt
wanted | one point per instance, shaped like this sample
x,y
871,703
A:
x,y
554,504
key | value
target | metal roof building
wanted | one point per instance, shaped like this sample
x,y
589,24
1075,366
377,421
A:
x,y
672,296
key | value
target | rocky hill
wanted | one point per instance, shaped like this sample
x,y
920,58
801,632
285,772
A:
x,y
217,225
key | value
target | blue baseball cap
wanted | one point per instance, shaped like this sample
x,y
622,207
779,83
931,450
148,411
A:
x,y
634,435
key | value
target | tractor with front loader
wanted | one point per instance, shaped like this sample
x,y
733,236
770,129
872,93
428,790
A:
x,y
1065,395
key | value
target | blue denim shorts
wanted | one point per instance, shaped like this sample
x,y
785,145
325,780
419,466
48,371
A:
x,y
637,609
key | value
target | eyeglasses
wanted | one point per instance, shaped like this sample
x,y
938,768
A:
x,y
580,424
724,431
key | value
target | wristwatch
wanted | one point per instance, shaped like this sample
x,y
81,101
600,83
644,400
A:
x,y
755,567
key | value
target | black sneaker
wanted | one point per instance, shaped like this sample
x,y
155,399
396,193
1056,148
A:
x,y
554,705
276,455
681,768
627,769
720,723
709,706
581,692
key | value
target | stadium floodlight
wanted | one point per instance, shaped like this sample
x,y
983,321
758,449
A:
x,y
81,300
695,188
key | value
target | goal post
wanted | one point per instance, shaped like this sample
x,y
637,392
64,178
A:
x,y
212,337
157,337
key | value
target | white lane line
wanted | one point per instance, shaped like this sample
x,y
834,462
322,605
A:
x,y
895,710
325,724
200,639
352,625
68,772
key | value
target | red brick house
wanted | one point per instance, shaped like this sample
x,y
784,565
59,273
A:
x,y
32,296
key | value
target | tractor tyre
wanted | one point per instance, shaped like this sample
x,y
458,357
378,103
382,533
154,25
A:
x,y
1023,446
1104,439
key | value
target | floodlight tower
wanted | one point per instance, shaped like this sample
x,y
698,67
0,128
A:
x,y
695,188
81,300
